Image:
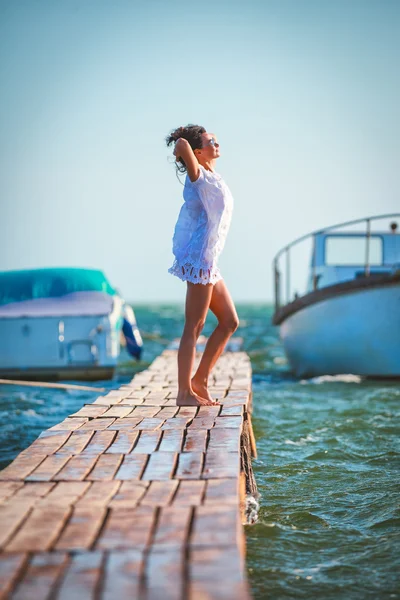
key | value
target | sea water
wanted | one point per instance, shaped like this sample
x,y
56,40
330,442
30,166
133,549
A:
x,y
327,467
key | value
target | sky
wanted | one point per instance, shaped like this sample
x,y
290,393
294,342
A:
x,y
303,95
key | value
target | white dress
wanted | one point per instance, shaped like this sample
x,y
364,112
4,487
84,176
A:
x,y
201,229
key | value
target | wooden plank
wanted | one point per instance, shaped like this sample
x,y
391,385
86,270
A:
x,y
232,410
172,440
76,469
127,528
82,577
190,465
187,411
234,422
165,574
216,526
99,443
132,467
172,528
176,423
48,444
220,491
82,529
160,493
33,490
220,464
76,442
90,411
168,412
97,424
8,488
70,424
48,468
40,578
195,440
21,467
216,573
12,514
123,443
40,530
127,424
11,567
122,575
147,442
190,493
160,467
129,494
65,493
208,411
146,411
224,439
105,467
119,412
99,494
202,423
150,424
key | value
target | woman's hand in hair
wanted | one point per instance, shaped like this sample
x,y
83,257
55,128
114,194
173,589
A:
x,y
179,145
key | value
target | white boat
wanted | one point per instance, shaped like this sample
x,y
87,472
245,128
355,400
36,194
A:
x,y
62,323
348,319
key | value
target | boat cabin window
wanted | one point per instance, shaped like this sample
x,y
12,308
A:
x,y
350,250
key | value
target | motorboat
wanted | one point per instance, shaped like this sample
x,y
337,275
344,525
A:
x,y
347,319
63,323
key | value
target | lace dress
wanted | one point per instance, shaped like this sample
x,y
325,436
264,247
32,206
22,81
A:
x,y
201,229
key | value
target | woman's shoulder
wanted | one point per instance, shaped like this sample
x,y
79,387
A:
x,y
204,176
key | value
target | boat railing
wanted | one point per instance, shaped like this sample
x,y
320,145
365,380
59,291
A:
x,y
286,253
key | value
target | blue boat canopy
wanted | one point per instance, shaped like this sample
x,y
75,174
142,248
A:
x,y
30,284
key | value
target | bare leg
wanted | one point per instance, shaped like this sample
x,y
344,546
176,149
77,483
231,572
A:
x,y
224,309
198,298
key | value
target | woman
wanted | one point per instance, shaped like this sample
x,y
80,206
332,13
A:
x,y
199,238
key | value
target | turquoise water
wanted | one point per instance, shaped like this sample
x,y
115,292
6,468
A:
x,y
327,467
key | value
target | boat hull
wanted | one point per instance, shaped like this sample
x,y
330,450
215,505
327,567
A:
x,y
356,332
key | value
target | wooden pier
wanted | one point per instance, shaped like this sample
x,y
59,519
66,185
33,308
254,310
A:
x,y
134,497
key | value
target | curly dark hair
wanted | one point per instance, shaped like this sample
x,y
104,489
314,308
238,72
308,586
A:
x,y
191,133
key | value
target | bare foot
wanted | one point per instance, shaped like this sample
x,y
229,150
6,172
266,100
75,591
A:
x,y
192,399
201,390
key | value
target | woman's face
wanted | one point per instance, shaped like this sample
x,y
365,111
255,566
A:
x,y
210,149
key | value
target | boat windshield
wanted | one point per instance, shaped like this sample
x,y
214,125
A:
x,y
30,284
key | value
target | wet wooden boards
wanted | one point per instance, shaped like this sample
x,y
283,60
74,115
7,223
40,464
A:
x,y
132,496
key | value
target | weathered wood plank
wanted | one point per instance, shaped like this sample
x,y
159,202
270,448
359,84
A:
x,y
209,411
147,442
160,493
195,440
220,464
21,467
202,423
122,575
172,440
190,465
118,412
98,424
48,468
76,442
123,443
129,494
190,493
82,528
99,494
12,514
172,528
224,439
77,468
160,467
150,424
216,573
126,424
41,576
105,467
65,493
132,467
48,444
90,411
222,491
99,443
187,411
127,528
40,530
232,410
11,567
216,526
234,422
82,577
146,411
8,488
70,424
165,575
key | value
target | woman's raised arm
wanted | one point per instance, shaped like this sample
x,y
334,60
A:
x,y
184,150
